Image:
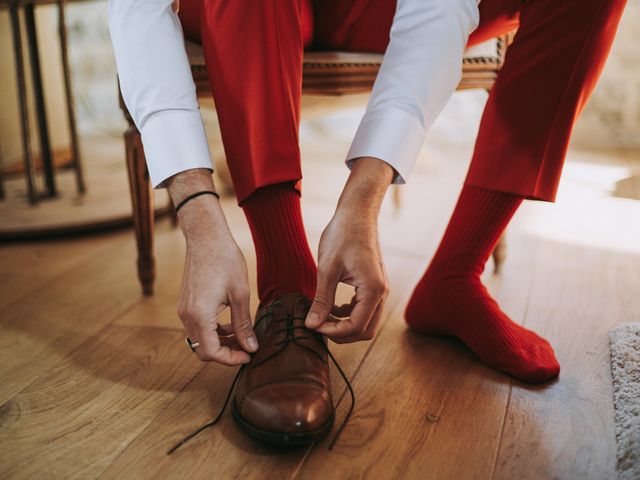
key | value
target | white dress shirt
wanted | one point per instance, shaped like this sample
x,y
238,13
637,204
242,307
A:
x,y
420,70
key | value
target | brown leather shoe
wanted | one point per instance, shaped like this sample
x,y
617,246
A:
x,y
283,396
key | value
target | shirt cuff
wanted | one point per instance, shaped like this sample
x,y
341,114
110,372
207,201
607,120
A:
x,y
174,141
391,135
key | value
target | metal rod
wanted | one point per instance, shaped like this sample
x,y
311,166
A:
x,y
71,116
38,91
29,168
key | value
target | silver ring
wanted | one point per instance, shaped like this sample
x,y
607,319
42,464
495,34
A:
x,y
192,345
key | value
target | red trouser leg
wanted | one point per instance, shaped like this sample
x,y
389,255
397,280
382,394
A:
x,y
549,73
550,70
253,50
364,25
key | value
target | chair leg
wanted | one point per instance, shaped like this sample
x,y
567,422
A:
x,y
29,167
71,114
40,103
142,202
499,254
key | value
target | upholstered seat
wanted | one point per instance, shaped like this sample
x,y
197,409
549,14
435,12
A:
x,y
336,73
326,73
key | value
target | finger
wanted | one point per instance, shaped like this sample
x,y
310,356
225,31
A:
x,y
227,337
324,298
192,334
204,332
345,309
367,301
370,332
372,296
206,337
335,330
374,324
228,352
241,322
230,357
231,342
225,330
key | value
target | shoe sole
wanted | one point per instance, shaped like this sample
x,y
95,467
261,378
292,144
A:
x,y
281,438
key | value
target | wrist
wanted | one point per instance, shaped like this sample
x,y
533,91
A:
x,y
184,184
202,216
366,187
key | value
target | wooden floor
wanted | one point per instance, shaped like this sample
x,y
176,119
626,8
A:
x,y
97,382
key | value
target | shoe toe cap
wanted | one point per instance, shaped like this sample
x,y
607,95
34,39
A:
x,y
292,408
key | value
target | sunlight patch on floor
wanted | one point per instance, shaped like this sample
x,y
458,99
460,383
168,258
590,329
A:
x,y
586,212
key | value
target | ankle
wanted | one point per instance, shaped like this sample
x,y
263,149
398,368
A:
x,y
285,263
441,278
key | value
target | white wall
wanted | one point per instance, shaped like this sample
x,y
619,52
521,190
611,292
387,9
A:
x,y
612,116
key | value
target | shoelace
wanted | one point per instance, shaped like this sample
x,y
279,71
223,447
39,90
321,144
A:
x,y
289,329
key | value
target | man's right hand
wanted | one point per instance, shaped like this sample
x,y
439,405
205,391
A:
x,y
215,276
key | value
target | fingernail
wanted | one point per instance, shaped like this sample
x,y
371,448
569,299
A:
x,y
252,342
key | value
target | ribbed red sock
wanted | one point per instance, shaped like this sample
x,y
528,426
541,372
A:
x,y
285,262
451,300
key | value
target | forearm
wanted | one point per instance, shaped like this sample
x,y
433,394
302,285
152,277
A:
x,y
365,189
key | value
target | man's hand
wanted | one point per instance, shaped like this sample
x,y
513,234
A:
x,y
215,276
349,252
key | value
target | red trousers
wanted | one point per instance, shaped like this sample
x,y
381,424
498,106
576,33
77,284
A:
x,y
254,49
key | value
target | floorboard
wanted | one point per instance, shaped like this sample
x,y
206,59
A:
x,y
76,419
97,382
27,267
414,394
223,450
40,331
565,430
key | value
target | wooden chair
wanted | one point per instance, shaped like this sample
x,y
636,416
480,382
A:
x,y
326,73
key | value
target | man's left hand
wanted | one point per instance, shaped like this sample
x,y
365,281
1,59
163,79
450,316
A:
x,y
349,252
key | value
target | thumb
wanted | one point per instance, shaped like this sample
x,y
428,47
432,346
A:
x,y
323,300
242,324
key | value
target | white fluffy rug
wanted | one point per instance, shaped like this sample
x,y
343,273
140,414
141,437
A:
x,y
625,369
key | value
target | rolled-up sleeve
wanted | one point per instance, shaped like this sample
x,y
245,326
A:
x,y
157,87
420,70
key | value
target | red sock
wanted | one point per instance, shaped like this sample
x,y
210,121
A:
x,y
285,262
451,300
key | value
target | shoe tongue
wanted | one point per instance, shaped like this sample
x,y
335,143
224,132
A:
x,y
293,307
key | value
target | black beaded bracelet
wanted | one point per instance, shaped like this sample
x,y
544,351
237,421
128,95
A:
x,y
197,194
